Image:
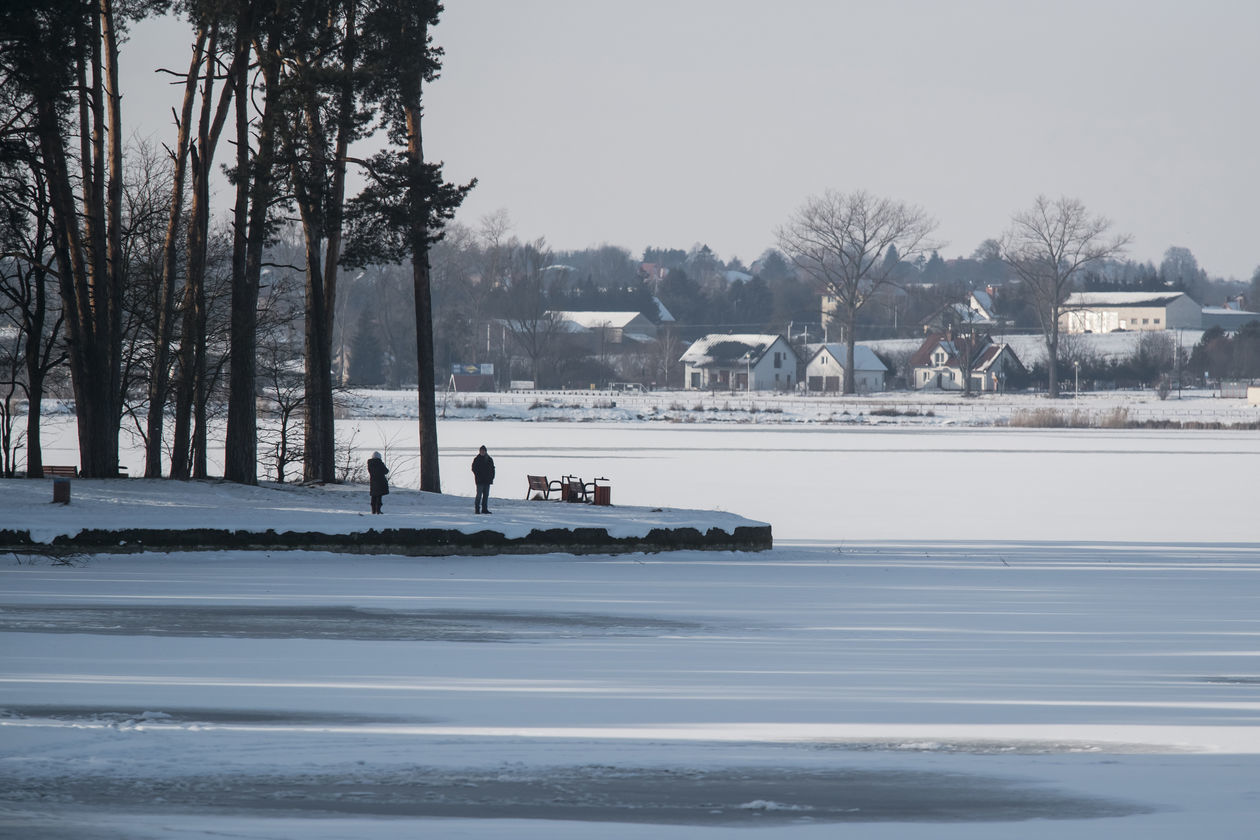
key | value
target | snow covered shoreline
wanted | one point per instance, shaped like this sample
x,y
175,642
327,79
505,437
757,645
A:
x,y
890,408
159,515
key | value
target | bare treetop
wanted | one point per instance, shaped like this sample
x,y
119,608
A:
x,y
842,240
1055,240
1048,246
851,245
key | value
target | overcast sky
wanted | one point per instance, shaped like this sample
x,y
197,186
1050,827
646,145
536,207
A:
x,y
673,122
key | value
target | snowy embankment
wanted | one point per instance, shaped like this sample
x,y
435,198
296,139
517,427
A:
x,y
139,514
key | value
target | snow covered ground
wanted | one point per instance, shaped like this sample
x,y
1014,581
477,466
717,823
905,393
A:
x,y
962,632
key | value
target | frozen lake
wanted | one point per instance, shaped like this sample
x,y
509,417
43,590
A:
x,y
834,485
961,634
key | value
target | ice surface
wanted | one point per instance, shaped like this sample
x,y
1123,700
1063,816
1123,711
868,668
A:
x,y
1050,632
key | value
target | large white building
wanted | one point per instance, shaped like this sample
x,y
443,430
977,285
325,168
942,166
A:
x,y
1104,312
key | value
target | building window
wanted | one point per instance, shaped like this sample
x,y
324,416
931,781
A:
x,y
1144,321
1156,321
778,361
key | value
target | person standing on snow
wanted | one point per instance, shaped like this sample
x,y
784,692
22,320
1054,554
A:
x,y
377,485
483,474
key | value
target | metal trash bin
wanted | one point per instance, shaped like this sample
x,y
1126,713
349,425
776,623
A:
x,y
61,490
603,494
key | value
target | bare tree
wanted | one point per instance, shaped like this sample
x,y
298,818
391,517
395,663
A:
x,y
220,52
841,241
668,349
28,300
63,59
1048,247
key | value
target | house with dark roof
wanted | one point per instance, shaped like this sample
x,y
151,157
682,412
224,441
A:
x,y
743,362
824,372
939,363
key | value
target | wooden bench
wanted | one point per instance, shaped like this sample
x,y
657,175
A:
x,y
67,471
577,490
540,484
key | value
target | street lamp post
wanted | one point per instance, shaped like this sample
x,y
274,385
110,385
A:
x,y
1077,392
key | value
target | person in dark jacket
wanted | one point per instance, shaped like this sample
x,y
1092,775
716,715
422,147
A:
x,y
377,485
483,474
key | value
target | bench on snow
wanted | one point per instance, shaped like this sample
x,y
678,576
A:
x,y
540,485
70,471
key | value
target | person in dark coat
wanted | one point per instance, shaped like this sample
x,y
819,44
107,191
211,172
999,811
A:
x,y
483,474
377,485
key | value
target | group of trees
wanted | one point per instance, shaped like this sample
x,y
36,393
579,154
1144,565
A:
x,y
1219,355
114,264
114,251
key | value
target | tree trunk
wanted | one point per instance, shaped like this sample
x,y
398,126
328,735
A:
x,y
850,351
430,476
241,456
322,209
319,447
159,380
107,455
1052,360
234,470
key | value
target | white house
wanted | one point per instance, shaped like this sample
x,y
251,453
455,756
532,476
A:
x,y
938,363
825,369
1104,312
740,362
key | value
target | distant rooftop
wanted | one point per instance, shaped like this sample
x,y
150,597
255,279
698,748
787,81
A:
x,y
1122,298
725,348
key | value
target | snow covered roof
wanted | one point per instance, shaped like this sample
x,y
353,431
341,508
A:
x,y
597,320
1207,310
726,349
864,358
1084,299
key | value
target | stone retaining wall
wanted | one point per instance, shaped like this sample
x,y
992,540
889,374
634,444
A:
x,y
417,542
